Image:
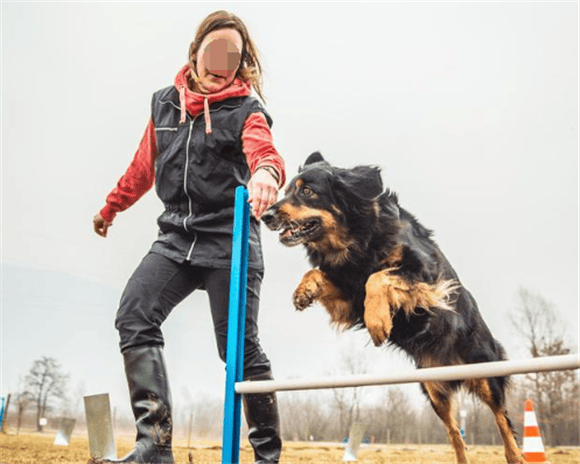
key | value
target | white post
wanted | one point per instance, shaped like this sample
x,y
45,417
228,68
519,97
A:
x,y
353,444
100,426
64,432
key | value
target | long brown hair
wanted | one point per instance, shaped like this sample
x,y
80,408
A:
x,y
250,69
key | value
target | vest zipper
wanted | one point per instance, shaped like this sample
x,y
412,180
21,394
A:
x,y
185,180
191,248
185,187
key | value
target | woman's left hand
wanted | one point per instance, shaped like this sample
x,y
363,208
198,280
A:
x,y
262,192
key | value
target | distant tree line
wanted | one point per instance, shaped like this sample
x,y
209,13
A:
x,y
328,415
43,394
394,419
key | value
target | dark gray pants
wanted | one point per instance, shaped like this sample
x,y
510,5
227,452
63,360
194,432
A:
x,y
159,284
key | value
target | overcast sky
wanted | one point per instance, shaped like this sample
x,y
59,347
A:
x,y
470,109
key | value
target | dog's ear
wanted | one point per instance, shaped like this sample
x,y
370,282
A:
x,y
315,157
362,181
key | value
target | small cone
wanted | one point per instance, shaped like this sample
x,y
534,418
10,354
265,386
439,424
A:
x,y
533,446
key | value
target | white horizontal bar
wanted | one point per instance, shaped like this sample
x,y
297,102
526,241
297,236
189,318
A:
x,y
457,372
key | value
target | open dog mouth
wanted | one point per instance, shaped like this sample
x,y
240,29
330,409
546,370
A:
x,y
294,232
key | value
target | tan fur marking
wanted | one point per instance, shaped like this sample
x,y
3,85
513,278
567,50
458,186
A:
x,y
378,309
387,293
304,212
427,361
316,286
512,452
335,246
395,256
443,405
376,208
481,388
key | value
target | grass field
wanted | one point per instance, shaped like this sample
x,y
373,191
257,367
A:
x,y
39,449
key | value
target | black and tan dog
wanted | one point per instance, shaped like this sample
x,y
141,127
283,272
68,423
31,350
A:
x,y
376,266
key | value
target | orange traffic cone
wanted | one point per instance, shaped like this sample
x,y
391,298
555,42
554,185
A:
x,y
533,446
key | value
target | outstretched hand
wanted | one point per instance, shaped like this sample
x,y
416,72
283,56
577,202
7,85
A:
x,y
262,192
101,225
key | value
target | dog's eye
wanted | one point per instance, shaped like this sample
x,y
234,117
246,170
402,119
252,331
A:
x,y
307,191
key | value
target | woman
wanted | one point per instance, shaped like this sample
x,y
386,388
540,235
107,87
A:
x,y
206,136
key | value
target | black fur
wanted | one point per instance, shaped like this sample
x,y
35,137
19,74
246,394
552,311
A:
x,y
351,196
353,231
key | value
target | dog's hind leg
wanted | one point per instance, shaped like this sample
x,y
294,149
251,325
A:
x,y
441,396
491,392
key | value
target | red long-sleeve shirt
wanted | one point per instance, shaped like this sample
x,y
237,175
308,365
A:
x,y
257,144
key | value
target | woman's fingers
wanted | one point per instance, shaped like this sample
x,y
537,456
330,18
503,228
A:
x,y
263,200
100,225
262,192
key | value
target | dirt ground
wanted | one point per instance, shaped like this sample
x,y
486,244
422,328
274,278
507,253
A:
x,y
39,449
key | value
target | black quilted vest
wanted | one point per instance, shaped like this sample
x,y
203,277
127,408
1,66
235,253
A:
x,y
196,175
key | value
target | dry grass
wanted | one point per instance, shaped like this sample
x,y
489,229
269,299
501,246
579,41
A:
x,y
39,449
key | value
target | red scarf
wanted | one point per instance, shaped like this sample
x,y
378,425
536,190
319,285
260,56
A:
x,y
195,103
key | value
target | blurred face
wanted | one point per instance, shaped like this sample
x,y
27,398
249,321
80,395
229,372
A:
x,y
218,60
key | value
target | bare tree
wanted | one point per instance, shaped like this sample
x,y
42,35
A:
x,y
23,400
207,414
79,394
303,416
71,401
555,393
45,381
197,415
536,320
348,400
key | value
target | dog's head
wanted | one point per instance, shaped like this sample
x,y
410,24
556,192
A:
x,y
321,202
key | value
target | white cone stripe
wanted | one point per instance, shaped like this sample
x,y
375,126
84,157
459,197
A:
x,y
533,445
530,419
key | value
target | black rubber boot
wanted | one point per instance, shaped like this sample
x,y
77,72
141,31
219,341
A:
x,y
151,403
261,410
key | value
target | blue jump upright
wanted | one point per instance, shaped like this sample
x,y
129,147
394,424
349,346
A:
x,y
236,329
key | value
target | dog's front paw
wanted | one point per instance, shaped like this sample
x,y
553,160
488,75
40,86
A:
x,y
304,296
379,332
377,317
379,323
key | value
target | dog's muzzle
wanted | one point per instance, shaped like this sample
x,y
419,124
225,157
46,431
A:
x,y
269,218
